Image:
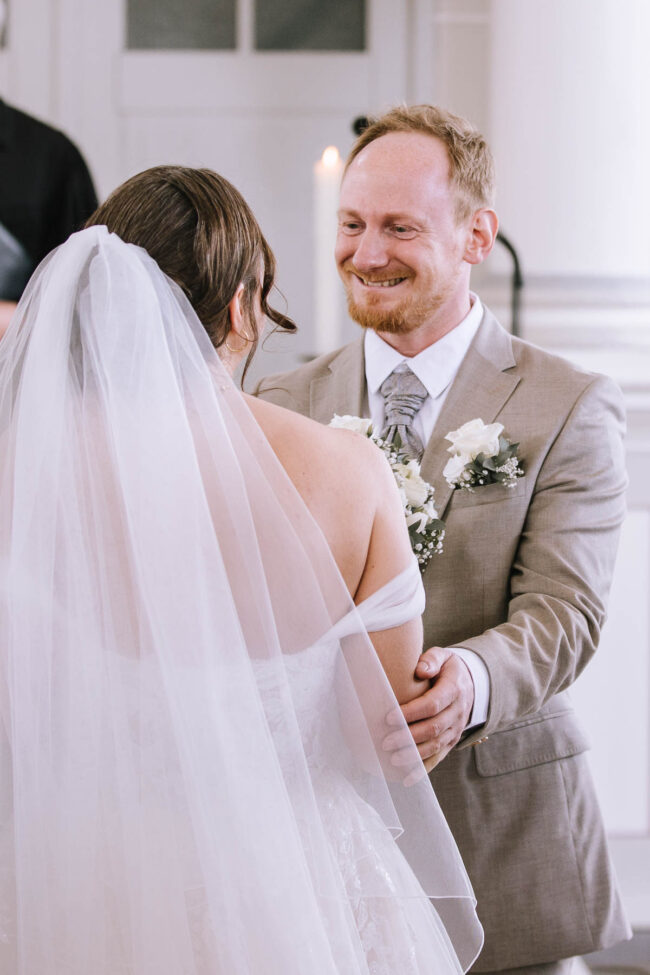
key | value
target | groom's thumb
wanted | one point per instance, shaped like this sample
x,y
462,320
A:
x,y
431,661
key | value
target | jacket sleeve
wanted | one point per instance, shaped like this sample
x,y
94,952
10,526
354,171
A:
x,y
563,565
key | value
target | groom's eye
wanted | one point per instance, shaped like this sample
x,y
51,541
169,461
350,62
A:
x,y
401,230
350,226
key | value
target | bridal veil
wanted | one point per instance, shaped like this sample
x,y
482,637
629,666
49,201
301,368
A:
x,y
166,600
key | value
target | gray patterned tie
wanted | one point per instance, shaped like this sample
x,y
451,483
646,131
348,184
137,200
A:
x,y
403,395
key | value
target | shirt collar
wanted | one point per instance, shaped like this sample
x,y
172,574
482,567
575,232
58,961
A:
x,y
435,366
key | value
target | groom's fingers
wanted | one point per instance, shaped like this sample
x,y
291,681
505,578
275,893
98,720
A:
x,y
438,718
455,682
430,763
428,720
431,737
429,730
437,748
431,703
432,749
431,662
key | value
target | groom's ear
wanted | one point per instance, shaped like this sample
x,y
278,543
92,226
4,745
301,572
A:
x,y
235,310
482,233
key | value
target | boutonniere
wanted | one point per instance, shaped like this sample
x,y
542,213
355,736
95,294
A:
x,y
480,454
426,530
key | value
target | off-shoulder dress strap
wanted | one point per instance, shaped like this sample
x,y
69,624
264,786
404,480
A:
x,y
400,600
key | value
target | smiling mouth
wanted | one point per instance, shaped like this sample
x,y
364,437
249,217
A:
x,y
373,283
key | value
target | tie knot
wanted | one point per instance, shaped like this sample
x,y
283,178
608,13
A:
x,y
403,395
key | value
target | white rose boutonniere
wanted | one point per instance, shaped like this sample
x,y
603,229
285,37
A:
x,y
359,424
426,530
480,454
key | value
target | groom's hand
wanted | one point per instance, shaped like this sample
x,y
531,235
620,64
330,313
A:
x,y
438,718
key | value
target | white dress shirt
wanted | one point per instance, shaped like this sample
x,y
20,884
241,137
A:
x,y
436,368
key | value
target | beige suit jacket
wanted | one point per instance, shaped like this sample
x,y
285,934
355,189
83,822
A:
x,y
522,582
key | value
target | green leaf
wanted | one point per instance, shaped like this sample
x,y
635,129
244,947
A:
x,y
487,463
504,443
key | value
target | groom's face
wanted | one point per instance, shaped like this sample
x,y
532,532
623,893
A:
x,y
400,245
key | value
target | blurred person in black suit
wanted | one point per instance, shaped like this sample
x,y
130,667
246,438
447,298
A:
x,y
46,193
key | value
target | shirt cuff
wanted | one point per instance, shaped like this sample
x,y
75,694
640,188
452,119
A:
x,y
481,679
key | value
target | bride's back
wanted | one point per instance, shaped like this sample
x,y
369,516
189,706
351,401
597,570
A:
x,y
347,486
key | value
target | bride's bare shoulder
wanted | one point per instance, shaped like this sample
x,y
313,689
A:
x,y
295,437
349,488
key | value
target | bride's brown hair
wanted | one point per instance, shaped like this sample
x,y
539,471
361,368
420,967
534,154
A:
x,y
201,232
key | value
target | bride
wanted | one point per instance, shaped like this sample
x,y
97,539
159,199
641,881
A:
x,y
191,711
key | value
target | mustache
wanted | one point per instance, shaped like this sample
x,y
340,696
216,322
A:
x,y
386,274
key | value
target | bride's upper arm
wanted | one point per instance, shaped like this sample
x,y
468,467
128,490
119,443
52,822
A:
x,y
389,549
389,553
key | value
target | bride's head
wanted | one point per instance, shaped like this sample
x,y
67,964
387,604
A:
x,y
202,234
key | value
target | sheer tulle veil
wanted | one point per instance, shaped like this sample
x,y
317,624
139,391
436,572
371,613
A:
x,y
165,598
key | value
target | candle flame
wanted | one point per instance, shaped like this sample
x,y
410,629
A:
x,y
331,157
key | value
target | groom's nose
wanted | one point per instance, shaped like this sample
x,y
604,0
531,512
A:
x,y
371,250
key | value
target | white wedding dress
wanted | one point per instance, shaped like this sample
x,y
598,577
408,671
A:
x,y
397,929
192,779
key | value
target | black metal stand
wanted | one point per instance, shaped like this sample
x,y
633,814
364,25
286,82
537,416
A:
x,y
516,285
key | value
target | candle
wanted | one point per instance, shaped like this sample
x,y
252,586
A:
x,y
327,286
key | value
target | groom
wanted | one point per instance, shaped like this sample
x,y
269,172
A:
x,y
516,601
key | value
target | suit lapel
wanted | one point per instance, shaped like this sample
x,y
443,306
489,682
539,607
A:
x,y
480,389
342,389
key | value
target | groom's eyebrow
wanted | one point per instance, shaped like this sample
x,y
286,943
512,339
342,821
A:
x,y
400,216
